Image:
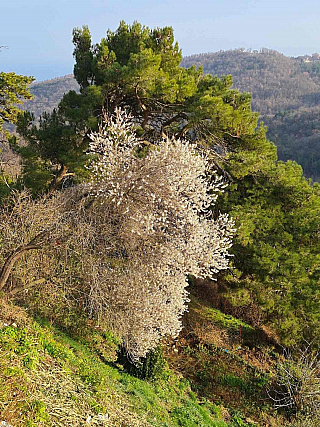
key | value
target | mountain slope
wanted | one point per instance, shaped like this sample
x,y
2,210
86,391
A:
x,y
286,93
47,94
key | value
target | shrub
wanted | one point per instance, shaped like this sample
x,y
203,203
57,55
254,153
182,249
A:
x,y
297,385
150,367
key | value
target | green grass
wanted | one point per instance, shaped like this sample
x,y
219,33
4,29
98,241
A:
x,y
228,322
62,381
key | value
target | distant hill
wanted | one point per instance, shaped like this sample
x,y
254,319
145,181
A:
x,y
47,94
277,82
285,91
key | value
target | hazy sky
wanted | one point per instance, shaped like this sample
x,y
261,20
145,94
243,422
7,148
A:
x,y
37,33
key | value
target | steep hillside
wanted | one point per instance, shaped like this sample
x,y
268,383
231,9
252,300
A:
x,y
286,93
47,94
215,380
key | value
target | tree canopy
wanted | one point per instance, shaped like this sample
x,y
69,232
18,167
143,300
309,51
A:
x,y
138,69
13,89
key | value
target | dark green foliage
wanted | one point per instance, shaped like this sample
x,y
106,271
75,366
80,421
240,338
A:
x,y
54,150
83,54
150,367
133,67
276,248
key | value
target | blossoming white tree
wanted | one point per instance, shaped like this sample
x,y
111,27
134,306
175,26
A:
x,y
159,212
122,245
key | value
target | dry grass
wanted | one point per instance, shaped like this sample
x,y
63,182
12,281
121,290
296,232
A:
x,y
70,402
9,161
52,395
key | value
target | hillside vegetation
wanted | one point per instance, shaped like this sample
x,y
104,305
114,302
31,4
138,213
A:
x,y
286,93
159,264
52,379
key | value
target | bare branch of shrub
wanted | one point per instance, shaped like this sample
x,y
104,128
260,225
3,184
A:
x,y
297,386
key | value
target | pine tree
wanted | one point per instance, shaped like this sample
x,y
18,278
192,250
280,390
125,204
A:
x,y
138,69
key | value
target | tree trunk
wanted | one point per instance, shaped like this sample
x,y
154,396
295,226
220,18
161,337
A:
x,y
63,171
10,261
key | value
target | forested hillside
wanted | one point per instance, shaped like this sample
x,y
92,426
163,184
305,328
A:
x,y
286,93
48,94
159,264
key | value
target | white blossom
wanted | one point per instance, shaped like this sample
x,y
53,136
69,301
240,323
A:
x,y
160,208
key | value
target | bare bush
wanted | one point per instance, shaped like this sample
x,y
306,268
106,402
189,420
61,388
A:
x,y
29,225
297,385
305,421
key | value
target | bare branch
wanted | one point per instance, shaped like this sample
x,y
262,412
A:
x,y
297,386
9,264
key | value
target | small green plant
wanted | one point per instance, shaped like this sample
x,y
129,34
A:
x,y
238,421
39,409
151,367
233,381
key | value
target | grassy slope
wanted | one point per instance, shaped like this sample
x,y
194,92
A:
x,y
49,379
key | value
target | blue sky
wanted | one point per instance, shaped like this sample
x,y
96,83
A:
x,y
37,33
